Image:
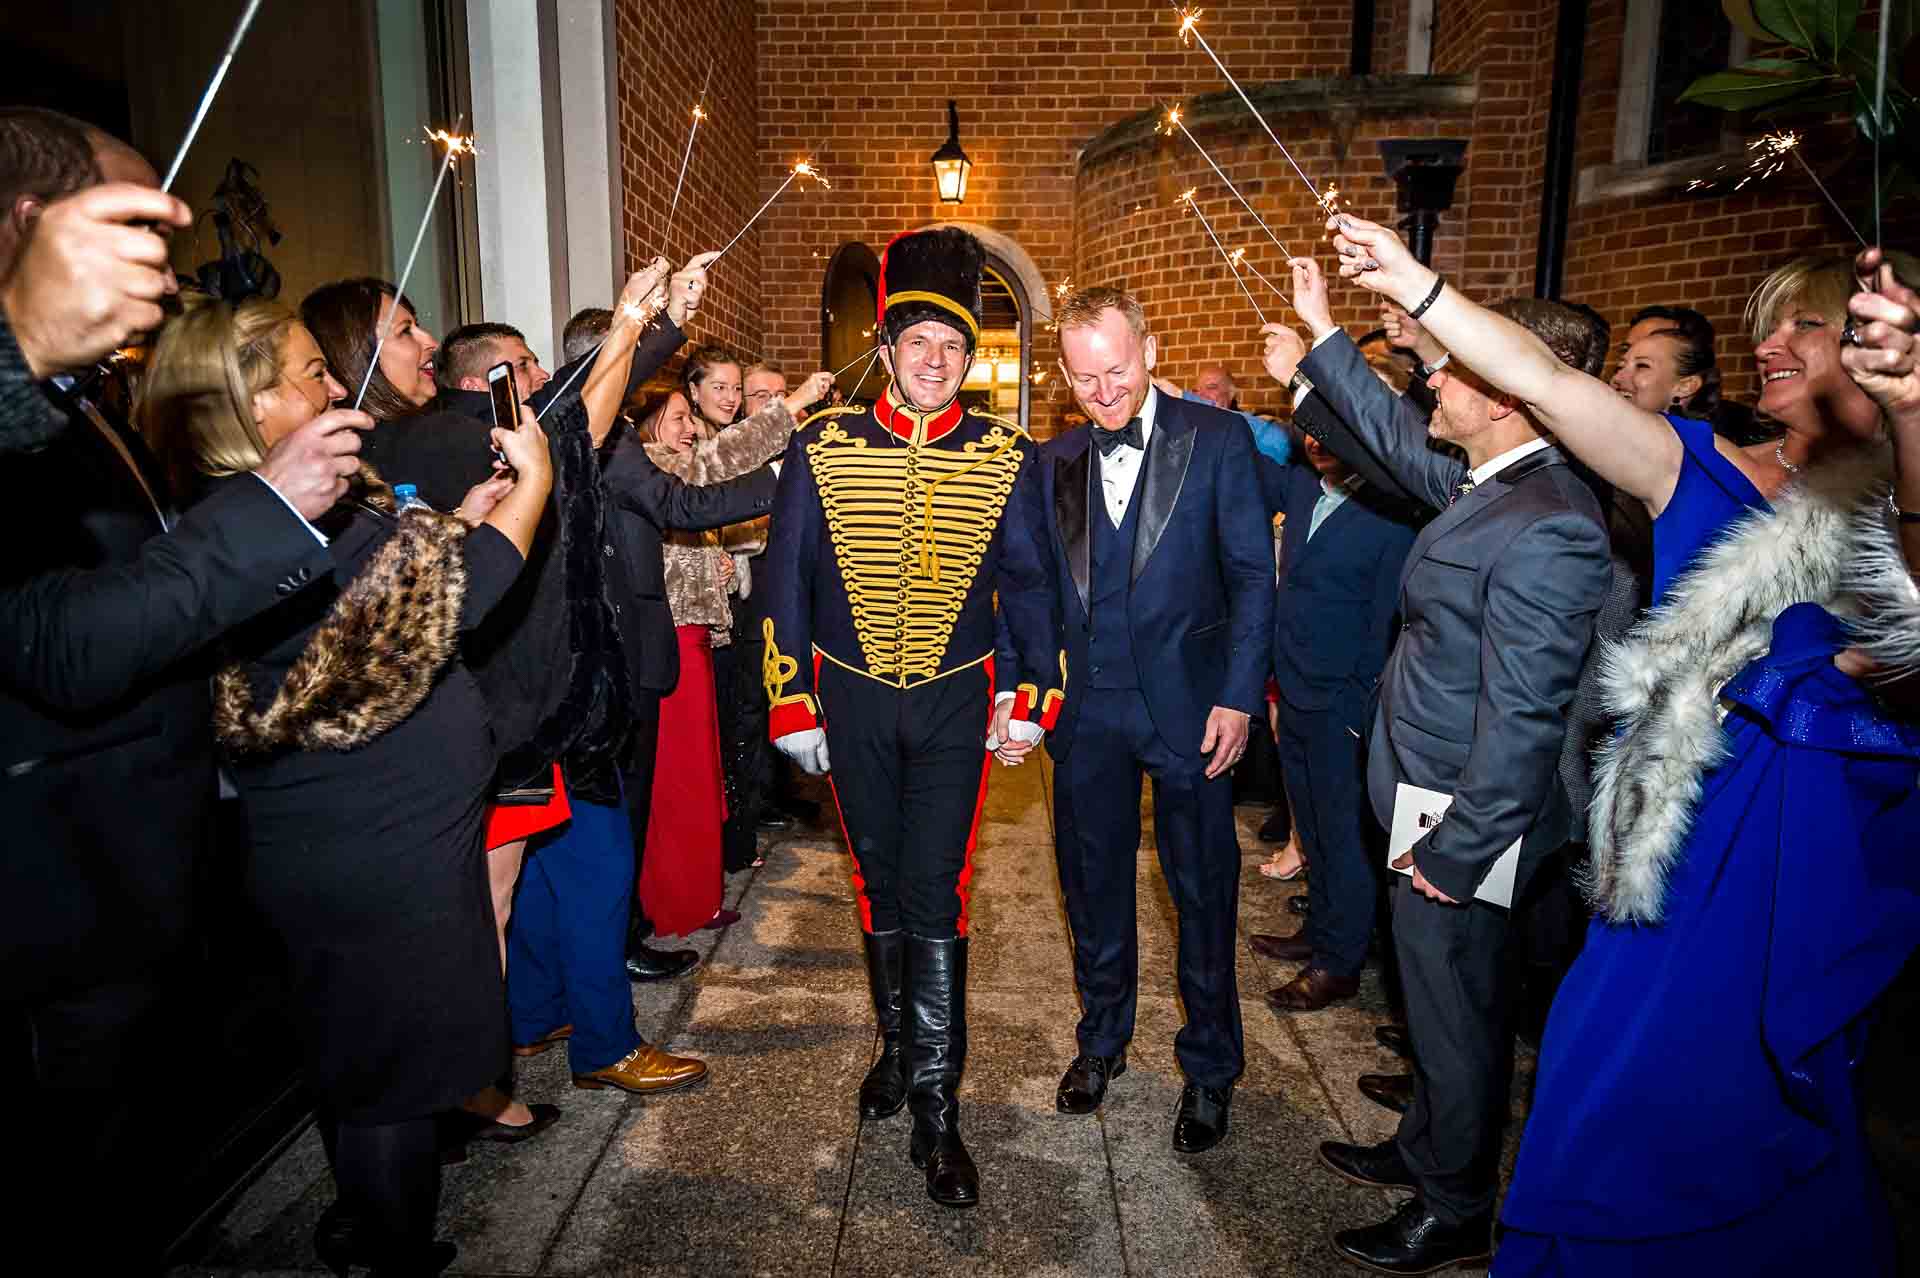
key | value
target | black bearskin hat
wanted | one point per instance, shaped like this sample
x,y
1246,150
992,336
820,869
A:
x,y
931,275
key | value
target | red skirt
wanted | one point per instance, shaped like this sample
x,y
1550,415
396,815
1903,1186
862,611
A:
x,y
680,874
508,822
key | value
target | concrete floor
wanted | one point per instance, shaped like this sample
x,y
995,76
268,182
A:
x,y
768,1170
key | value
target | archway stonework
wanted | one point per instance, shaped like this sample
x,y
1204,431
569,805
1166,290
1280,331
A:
x,y
1008,250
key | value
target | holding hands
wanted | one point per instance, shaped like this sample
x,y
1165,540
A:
x,y
642,289
310,466
1886,361
1378,259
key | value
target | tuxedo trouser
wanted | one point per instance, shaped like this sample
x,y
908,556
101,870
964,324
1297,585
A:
x,y
567,943
909,777
636,780
1452,963
1096,807
1325,765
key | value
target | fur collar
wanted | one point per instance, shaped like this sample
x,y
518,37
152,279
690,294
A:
x,y
376,655
1828,541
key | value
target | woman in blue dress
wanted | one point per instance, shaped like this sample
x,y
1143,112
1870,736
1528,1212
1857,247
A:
x,y
1756,822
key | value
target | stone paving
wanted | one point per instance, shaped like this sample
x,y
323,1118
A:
x,y
768,1170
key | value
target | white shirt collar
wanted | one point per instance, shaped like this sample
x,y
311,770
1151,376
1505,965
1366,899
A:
x,y
1494,465
1149,409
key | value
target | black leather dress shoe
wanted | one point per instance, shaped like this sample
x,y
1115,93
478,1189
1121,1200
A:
x,y
1201,1121
1394,1091
644,963
1299,905
774,819
544,1116
1415,1241
1394,1039
1084,1085
1375,1166
1285,949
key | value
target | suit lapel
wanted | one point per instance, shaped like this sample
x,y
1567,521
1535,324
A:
x,y
1472,503
1071,479
1168,452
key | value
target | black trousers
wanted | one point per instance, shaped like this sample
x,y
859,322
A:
x,y
1325,762
1096,805
1452,963
746,755
909,775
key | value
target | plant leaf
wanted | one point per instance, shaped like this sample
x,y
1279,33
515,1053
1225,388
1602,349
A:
x,y
1737,90
1818,26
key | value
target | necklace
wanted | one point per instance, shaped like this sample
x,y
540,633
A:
x,y
1780,455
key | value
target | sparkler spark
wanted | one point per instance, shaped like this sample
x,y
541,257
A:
x,y
1173,122
1189,18
1240,258
457,145
1186,197
803,168
699,114
1768,155
639,312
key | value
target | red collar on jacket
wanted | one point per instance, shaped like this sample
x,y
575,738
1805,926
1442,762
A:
x,y
912,425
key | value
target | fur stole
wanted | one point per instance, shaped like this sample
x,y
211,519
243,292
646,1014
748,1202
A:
x,y
376,655
1828,540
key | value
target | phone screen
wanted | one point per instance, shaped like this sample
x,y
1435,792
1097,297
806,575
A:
x,y
506,404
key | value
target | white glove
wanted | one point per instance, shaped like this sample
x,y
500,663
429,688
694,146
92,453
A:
x,y
1019,731
807,749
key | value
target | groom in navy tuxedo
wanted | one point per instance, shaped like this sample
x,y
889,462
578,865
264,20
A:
x,y
1163,563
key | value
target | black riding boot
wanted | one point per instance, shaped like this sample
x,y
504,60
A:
x,y
884,1090
935,990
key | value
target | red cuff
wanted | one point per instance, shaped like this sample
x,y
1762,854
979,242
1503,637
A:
x,y
793,714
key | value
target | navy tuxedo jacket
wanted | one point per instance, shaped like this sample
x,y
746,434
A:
x,y
1339,592
1201,602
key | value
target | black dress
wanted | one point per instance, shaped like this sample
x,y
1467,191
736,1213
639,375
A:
x,y
369,864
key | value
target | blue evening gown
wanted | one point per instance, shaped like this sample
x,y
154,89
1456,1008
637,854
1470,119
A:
x,y
1694,1112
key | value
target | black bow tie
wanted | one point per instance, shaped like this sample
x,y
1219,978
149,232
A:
x,y
1130,434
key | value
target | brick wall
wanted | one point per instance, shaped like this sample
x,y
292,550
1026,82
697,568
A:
x,y
660,72
1703,251
860,87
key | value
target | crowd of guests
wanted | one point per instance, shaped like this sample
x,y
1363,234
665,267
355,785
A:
x,y
489,694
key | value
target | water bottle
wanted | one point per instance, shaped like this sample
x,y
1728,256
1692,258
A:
x,y
406,497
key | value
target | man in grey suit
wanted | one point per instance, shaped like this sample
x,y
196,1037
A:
x,y
1497,600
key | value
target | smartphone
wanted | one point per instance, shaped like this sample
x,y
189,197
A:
x,y
506,402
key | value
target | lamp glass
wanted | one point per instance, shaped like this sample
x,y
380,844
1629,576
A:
x,y
951,174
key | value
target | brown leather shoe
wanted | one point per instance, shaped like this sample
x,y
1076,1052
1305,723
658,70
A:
x,y
646,1071
551,1039
1392,1091
1285,949
1312,990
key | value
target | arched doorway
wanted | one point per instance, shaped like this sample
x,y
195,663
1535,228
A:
x,y
1014,299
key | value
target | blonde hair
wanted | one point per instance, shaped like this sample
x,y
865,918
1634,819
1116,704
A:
x,y
196,405
1084,309
1821,284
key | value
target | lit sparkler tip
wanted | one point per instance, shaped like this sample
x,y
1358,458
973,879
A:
x,y
699,113
1064,287
1236,255
805,169
1187,19
1330,199
456,144
1186,196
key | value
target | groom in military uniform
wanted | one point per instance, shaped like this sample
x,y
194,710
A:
x,y
893,529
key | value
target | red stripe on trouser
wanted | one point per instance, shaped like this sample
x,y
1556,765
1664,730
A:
x,y
853,858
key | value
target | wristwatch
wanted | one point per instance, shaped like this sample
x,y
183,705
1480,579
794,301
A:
x,y
1298,383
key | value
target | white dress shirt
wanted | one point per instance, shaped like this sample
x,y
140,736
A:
x,y
1332,497
1494,465
1120,468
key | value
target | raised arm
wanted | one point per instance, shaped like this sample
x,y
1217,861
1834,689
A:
x,y
1632,449
635,484
746,446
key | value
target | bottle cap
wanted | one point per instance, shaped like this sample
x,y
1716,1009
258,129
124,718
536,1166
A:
x,y
404,493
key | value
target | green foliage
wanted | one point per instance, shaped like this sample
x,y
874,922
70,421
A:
x,y
1819,61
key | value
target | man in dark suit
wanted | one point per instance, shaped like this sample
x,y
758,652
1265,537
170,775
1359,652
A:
x,y
1497,599
1164,570
107,780
1340,557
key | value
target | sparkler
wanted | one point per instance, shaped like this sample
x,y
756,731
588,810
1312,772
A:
x,y
1879,112
1769,154
1240,257
456,147
639,312
220,73
872,350
802,169
1186,198
1174,122
699,114
1189,29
